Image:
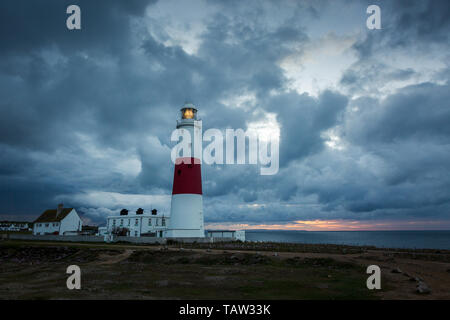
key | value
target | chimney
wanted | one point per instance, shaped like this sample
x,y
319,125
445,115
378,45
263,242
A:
x,y
59,209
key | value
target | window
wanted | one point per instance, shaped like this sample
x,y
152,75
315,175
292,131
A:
x,y
149,221
46,225
156,222
121,222
137,222
129,221
135,233
163,221
114,222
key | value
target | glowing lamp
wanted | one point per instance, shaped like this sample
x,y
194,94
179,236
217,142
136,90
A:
x,y
189,113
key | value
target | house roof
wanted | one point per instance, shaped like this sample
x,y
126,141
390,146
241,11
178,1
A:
x,y
50,215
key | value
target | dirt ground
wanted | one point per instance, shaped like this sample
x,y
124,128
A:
x,y
37,270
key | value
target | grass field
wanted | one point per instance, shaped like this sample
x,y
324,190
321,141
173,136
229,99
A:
x,y
31,270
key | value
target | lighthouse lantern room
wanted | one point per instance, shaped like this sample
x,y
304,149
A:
x,y
189,112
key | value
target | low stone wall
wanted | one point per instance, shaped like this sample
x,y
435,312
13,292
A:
x,y
222,239
165,240
192,240
141,239
202,240
55,238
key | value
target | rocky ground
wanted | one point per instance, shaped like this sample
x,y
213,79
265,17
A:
x,y
37,270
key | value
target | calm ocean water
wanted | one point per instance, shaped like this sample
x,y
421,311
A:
x,y
382,239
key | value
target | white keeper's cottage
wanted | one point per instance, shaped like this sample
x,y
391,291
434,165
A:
x,y
58,221
138,224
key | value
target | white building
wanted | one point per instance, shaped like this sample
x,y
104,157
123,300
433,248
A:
x,y
232,234
14,226
102,231
138,224
60,221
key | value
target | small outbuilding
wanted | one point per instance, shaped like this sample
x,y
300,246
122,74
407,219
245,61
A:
x,y
226,234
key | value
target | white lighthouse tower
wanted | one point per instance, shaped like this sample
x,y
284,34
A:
x,y
186,213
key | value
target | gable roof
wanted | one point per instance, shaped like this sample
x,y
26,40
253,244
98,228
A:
x,y
50,215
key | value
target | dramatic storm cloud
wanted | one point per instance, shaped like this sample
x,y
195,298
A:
x,y
363,115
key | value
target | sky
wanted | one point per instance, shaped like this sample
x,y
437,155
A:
x,y
363,115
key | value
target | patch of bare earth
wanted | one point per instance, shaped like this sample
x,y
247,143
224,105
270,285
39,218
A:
x,y
108,258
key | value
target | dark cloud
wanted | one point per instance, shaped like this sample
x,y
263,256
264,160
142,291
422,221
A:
x,y
26,26
399,151
422,22
417,112
369,78
303,119
407,24
89,113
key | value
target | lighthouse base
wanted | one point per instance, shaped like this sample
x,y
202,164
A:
x,y
186,217
183,233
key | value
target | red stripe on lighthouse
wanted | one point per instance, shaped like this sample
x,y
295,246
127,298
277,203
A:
x,y
187,176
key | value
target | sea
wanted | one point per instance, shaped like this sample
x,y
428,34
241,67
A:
x,y
381,239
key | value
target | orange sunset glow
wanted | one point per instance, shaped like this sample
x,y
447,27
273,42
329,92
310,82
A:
x,y
340,225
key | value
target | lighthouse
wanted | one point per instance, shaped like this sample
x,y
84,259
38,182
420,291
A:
x,y
186,213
